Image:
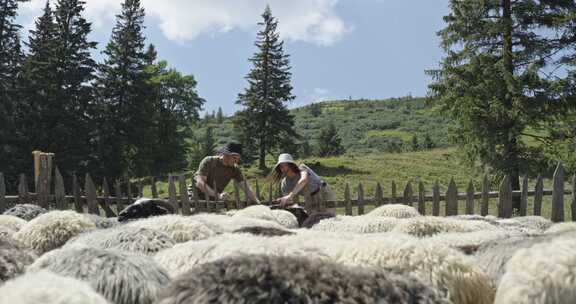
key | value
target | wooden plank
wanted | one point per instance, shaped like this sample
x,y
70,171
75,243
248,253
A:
x,y
237,196
106,203
3,205
408,195
42,188
140,188
59,191
470,198
129,191
195,198
558,195
485,196
524,197
452,199
184,195
153,188
172,193
538,194
23,193
258,191
91,195
118,193
573,197
378,195
360,199
393,196
347,200
505,198
436,199
76,193
421,198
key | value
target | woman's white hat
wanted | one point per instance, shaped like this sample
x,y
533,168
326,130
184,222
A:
x,y
284,158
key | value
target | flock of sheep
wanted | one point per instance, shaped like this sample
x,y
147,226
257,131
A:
x,y
259,255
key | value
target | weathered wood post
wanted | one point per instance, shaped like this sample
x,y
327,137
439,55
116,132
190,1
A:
x,y
258,191
393,196
23,193
184,195
107,203
505,198
172,193
91,195
408,195
524,197
118,194
360,199
538,194
59,191
470,198
573,197
421,198
347,199
436,199
558,195
485,192
378,195
237,199
3,205
153,188
76,193
452,199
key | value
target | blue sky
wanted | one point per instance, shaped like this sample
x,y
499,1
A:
x,y
338,48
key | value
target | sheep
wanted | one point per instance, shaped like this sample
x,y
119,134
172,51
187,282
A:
x,y
446,269
51,230
222,223
14,257
257,211
48,288
120,277
263,231
6,232
424,226
531,224
541,274
299,212
267,279
26,211
102,222
145,207
11,222
357,224
136,240
469,242
315,218
179,228
394,210
561,227
286,218
185,256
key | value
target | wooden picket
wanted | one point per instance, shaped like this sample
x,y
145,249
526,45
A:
x,y
452,198
421,198
470,198
558,195
59,190
436,199
3,205
538,194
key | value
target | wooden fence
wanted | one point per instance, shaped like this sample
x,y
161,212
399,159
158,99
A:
x,y
102,202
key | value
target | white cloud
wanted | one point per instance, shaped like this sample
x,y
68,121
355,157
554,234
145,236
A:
x,y
313,21
310,96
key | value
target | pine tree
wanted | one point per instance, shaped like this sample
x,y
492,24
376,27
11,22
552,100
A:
x,y
329,142
265,118
492,81
208,143
126,126
220,116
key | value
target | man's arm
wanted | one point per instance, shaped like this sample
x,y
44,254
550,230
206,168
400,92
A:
x,y
249,193
204,187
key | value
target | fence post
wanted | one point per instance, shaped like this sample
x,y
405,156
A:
x,y
436,199
573,197
237,196
452,199
129,190
524,197
485,195
505,198
91,196
23,194
59,191
258,191
153,188
393,193
42,187
538,194
470,198
107,202
195,197
408,194
76,192
118,193
421,198
172,193
558,195
184,195
347,200
2,193
378,195
360,199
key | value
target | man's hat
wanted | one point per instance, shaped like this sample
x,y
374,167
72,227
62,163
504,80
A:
x,y
231,148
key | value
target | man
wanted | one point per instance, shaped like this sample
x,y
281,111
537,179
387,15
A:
x,y
215,172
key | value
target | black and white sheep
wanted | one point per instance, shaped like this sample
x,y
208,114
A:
x,y
145,207
26,211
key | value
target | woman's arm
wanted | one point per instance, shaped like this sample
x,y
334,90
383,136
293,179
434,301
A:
x,y
287,199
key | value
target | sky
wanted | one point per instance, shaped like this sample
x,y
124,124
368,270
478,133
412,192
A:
x,y
338,49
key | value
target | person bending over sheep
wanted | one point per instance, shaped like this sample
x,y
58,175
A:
x,y
218,171
299,179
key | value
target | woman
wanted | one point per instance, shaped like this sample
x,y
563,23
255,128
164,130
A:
x,y
299,180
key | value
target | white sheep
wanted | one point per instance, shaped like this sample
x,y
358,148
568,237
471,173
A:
x,y
120,277
541,274
6,232
394,210
357,224
103,222
469,242
222,223
256,211
185,256
48,288
136,240
51,230
14,257
561,227
285,218
11,222
25,211
447,269
529,224
424,226
178,227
